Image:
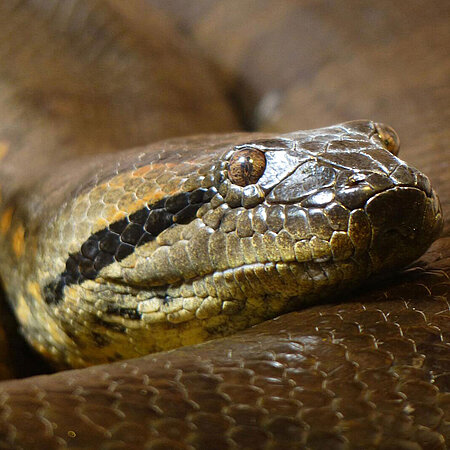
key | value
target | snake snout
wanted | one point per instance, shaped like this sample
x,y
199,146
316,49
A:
x,y
405,221
407,176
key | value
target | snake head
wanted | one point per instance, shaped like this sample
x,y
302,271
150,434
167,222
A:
x,y
201,237
341,193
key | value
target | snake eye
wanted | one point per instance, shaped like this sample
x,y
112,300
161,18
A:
x,y
388,137
246,166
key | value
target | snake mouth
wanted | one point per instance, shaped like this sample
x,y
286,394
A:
x,y
405,221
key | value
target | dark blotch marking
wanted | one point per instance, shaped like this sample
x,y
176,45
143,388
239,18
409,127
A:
x,y
120,239
127,313
99,339
117,327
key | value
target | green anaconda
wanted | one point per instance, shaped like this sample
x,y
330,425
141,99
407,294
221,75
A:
x,y
182,242
120,238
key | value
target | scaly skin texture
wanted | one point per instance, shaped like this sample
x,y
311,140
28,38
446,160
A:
x,y
332,207
371,372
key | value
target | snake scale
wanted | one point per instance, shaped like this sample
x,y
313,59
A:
x,y
120,238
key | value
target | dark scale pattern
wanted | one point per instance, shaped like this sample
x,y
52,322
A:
x,y
120,238
128,313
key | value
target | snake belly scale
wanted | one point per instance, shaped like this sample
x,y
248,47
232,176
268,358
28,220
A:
x,y
119,239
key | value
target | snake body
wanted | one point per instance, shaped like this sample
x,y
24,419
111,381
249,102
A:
x,y
111,255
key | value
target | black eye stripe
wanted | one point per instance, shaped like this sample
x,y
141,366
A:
x,y
121,238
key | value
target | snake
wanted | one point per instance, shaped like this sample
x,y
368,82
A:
x,y
201,278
